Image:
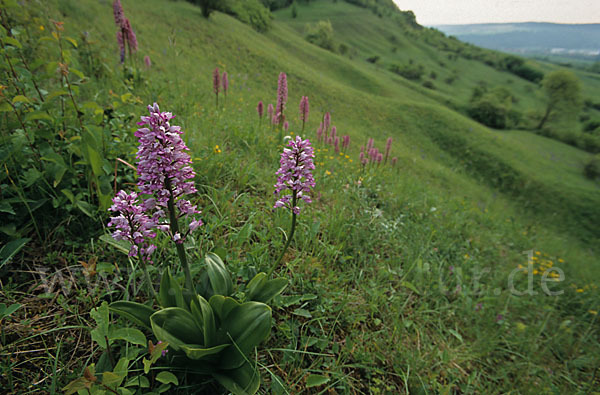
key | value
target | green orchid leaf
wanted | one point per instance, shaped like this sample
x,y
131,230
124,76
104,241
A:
x,y
219,276
247,325
136,312
203,313
222,305
170,293
244,380
176,326
262,290
194,351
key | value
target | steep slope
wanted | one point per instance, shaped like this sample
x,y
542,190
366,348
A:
x,y
403,273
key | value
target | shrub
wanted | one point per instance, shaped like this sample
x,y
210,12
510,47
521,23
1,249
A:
x,y
409,71
373,59
428,85
592,168
490,111
251,12
321,34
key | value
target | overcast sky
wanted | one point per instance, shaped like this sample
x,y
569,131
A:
x,y
445,12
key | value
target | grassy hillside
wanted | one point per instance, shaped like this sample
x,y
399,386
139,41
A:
x,y
405,279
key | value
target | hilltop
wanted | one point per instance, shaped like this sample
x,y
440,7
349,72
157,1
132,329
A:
x,y
401,278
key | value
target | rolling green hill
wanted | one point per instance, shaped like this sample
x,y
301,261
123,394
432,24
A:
x,y
404,275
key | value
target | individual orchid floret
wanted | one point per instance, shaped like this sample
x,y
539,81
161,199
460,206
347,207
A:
x,y
295,174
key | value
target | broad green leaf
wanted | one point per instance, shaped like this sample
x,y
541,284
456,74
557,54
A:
x,y
95,161
170,293
167,378
315,380
175,326
12,41
138,381
72,41
203,314
78,384
10,249
100,333
77,73
38,115
55,94
241,381
116,377
194,351
20,99
5,207
69,194
5,107
131,335
263,290
219,276
248,325
136,312
222,305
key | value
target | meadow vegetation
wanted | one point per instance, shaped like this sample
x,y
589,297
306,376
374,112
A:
x,y
433,254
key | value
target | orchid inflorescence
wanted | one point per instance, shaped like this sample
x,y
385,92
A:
x,y
295,174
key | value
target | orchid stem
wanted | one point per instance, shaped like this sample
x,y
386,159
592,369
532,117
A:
x,y
289,240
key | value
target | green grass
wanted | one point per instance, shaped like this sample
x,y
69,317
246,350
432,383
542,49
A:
x,y
407,269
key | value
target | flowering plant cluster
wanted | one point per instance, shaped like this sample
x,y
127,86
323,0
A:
x,y
202,324
371,154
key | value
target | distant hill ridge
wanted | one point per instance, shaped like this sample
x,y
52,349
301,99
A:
x,y
530,37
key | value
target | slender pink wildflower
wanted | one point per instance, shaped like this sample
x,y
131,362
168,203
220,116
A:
x,y
282,95
394,161
388,147
286,126
147,61
270,110
216,84
260,109
304,109
333,132
326,124
225,81
336,144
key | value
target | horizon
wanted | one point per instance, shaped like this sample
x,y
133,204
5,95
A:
x,y
463,12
